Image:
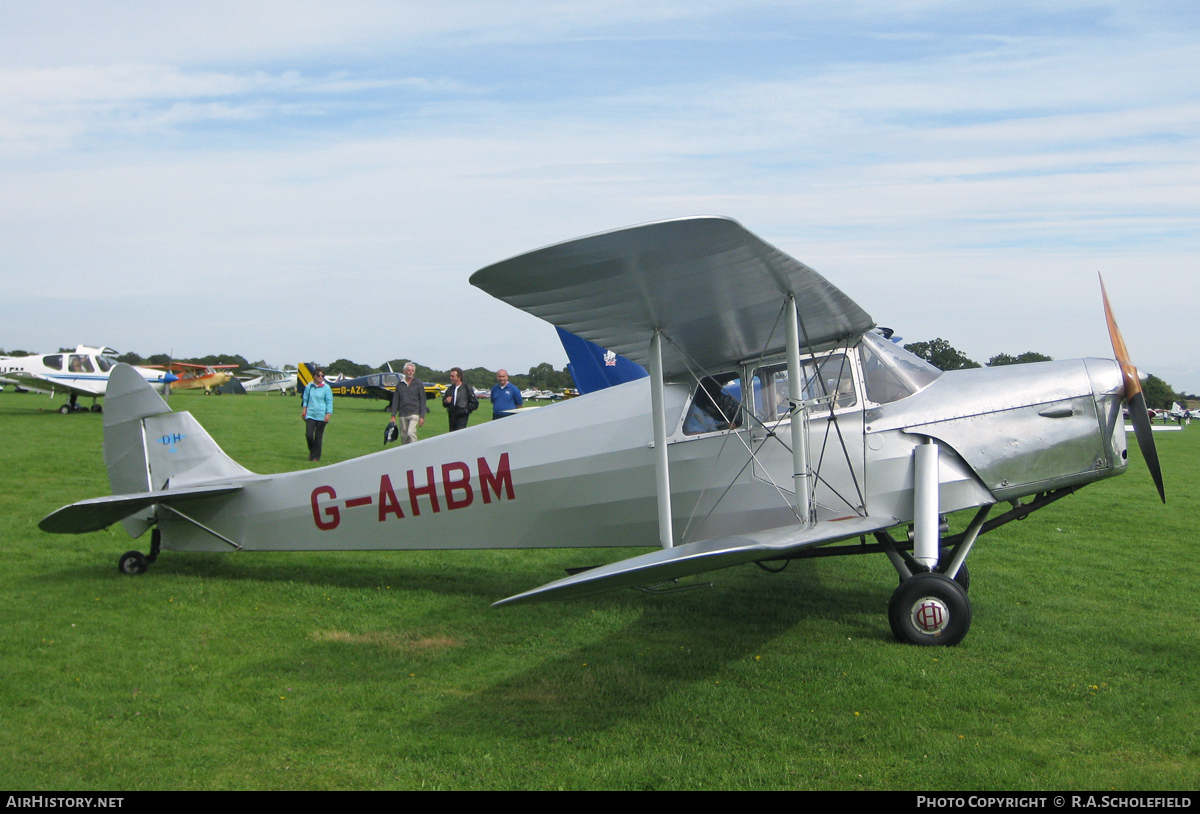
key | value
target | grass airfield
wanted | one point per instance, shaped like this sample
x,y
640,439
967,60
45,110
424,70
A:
x,y
389,671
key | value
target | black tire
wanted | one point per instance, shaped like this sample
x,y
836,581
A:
x,y
132,563
65,409
963,577
96,408
930,610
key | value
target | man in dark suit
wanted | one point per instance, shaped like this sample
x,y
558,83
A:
x,y
459,400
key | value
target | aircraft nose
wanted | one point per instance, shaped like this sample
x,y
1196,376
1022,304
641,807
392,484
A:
x,y
1105,376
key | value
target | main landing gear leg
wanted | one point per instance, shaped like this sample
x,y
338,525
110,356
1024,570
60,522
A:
x,y
929,608
135,562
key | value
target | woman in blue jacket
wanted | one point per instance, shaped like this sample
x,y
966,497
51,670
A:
x,y
316,408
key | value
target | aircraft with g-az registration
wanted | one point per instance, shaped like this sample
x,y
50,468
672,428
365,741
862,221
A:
x,y
835,437
82,373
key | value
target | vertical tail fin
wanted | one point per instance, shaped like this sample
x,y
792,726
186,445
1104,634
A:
x,y
146,446
304,375
593,368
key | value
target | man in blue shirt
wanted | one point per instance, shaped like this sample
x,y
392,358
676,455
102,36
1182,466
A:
x,y
315,409
506,396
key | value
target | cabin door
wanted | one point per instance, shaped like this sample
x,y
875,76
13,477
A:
x,y
835,432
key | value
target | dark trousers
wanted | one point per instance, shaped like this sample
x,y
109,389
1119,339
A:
x,y
313,432
458,420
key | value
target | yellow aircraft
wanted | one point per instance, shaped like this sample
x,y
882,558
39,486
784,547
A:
x,y
194,377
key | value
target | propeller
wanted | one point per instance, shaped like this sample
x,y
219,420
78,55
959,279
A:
x,y
169,378
1134,397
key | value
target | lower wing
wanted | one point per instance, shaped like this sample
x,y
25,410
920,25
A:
x,y
695,558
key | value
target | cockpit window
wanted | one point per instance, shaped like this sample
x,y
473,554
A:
x,y
891,373
81,364
105,363
716,405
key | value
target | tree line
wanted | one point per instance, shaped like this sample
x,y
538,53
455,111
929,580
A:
x,y
539,377
944,356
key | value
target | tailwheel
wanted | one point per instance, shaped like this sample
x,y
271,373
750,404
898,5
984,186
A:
x,y
930,609
135,562
132,563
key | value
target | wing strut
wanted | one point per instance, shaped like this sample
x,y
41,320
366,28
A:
x,y
800,475
662,473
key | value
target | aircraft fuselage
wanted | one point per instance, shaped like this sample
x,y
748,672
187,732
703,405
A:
x,y
581,473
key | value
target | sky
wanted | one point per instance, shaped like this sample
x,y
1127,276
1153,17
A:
x,y
311,181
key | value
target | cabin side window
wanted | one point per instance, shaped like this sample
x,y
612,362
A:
x,y
53,362
716,405
105,363
830,377
81,364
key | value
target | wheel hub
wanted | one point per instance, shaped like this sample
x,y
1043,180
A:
x,y
930,615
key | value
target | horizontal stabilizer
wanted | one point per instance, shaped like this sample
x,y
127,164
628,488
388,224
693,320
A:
x,y
695,558
101,512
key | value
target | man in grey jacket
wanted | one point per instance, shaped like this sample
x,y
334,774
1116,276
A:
x,y
409,402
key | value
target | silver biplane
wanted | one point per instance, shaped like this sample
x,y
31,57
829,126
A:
x,y
776,422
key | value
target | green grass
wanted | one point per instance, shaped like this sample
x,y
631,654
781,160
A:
x,y
389,670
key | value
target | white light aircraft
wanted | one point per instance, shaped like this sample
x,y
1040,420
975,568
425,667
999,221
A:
x,y
270,379
82,373
835,435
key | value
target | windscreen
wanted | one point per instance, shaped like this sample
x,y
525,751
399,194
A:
x,y
891,373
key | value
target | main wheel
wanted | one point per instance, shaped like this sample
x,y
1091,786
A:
x,y
132,563
930,609
65,409
96,408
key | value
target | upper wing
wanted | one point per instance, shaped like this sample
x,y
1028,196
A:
x,y
714,289
694,558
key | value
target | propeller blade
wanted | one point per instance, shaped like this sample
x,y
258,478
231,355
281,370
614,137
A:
x,y
1135,399
170,378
